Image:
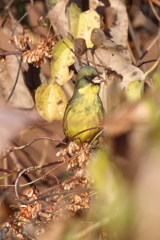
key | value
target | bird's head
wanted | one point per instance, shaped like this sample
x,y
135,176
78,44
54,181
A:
x,y
87,76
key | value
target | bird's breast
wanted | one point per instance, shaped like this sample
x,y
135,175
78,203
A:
x,y
82,113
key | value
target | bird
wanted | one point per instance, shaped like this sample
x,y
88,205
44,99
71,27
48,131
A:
x,y
85,108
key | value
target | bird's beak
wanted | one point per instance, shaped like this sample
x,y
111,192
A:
x,y
97,80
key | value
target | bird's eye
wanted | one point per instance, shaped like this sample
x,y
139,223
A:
x,y
87,78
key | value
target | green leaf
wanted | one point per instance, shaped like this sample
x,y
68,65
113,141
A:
x,y
50,101
82,24
62,59
134,90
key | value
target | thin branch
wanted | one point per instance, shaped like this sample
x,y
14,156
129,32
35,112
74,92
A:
x,y
157,2
132,33
133,36
154,11
153,67
10,53
13,31
11,149
149,61
70,194
77,153
20,174
19,69
80,57
148,48
45,196
9,4
131,53
88,129
11,172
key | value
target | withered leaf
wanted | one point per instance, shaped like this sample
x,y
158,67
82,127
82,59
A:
x,y
8,72
58,18
9,25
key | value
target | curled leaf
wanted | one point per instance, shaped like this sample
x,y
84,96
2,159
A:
x,y
50,102
62,59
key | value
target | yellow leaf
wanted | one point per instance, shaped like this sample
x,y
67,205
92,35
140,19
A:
x,y
134,90
82,24
62,59
50,101
155,79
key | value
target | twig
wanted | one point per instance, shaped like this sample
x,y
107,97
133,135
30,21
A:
x,y
52,170
131,53
45,196
9,171
131,31
9,4
154,11
5,166
80,57
157,2
11,149
152,68
15,161
77,153
14,29
148,48
19,68
10,53
88,129
20,174
70,194
149,61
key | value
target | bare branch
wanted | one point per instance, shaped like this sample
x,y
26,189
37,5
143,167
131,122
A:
x,y
19,69
13,31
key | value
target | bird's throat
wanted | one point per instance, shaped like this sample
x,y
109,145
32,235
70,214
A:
x,y
89,89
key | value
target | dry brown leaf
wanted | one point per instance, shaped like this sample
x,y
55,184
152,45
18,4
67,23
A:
x,y
118,81
119,31
80,46
13,29
99,39
9,23
8,72
112,54
58,18
80,49
111,59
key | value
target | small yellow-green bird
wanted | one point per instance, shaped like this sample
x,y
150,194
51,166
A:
x,y
85,109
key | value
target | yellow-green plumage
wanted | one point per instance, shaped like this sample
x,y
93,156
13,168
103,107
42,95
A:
x,y
85,109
